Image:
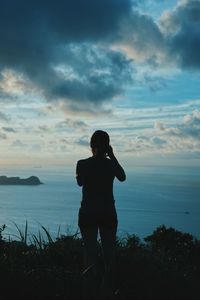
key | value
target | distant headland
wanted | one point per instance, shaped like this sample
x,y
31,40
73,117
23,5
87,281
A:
x,y
32,180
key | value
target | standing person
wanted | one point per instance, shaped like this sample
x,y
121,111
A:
x,y
97,212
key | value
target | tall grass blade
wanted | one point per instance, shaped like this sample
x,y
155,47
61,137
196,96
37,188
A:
x,y
37,241
22,235
58,233
40,238
48,235
26,232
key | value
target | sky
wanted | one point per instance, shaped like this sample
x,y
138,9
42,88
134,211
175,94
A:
x,y
70,67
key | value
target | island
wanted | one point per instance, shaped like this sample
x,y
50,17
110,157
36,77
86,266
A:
x,y
32,180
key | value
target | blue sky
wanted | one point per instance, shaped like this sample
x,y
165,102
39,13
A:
x,y
128,67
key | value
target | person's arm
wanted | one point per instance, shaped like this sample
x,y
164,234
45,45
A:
x,y
79,178
119,171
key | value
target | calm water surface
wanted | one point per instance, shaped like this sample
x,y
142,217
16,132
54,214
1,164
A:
x,y
150,197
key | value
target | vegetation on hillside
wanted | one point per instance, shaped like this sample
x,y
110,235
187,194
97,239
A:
x,y
166,265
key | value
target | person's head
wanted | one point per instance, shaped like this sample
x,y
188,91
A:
x,y
99,143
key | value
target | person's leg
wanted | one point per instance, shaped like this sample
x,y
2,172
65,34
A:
x,y
108,241
89,236
108,230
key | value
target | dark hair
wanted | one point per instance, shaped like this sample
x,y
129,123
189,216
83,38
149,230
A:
x,y
100,140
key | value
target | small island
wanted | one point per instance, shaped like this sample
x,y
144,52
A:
x,y
32,180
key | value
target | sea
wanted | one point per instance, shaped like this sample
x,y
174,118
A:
x,y
150,197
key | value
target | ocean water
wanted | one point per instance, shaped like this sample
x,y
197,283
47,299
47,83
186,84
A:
x,y
149,198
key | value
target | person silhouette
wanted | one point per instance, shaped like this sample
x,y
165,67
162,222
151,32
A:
x,y
97,212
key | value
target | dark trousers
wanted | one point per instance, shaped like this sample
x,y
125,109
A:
x,y
104,223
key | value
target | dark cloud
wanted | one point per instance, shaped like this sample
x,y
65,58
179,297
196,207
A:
x,y
66,20
142,33
183,24
175,39
36,36
67,49
94,74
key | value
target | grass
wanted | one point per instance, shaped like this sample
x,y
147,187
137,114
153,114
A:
x,y
165,266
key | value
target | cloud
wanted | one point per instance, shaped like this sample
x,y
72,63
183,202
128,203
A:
x,y
66,20
83,141
9,129
172,41
184,137
191,125
141,37
158,141
91,74
69,123
188,128
83,53
43,128
178,137
3,136
18,144
181,28
79,52
36,148
193,119
3,117
87,109
42,38
12,83
155,83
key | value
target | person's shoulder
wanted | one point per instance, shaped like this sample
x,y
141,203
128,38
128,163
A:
x,y
83,161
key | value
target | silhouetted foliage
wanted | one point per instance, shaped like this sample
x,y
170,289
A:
x,y
166,265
